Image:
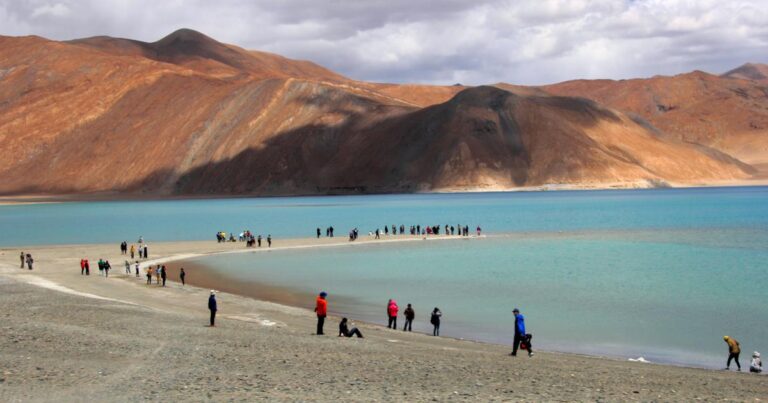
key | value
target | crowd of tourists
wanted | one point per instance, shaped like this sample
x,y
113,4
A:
x,y
246,236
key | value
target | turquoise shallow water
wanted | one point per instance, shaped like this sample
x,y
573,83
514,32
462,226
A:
x,y
662,274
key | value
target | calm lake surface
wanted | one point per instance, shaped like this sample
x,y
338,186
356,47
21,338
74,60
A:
x,y
662,274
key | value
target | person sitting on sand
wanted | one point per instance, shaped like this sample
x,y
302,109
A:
x,y
757,364
321,309
213,307
435,321
346,332
409,314
734,349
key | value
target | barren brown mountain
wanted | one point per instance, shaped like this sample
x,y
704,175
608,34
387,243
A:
x,y
190,115
749,71
728,113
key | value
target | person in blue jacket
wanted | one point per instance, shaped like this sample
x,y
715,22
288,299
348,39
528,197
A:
x,y
212,307
520,335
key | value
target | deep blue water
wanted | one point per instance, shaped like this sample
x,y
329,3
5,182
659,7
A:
x,y
96,222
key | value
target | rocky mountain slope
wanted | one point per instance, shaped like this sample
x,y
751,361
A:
x,y
189,115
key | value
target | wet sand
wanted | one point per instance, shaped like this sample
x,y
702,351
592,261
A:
x,y
68,337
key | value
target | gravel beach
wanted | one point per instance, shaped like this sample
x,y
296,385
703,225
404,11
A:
x,y
68,337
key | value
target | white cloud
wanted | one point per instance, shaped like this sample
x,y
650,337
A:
x,y
50,10
526,41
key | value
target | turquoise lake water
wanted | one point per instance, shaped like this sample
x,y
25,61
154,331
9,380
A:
x,y
662,274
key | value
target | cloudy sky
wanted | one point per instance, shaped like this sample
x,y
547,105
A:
x,y
441,42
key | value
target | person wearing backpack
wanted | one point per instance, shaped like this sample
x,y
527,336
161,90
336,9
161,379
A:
x,y
435,321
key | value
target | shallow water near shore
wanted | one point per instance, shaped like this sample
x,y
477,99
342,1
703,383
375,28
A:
x,y
666,297
662,274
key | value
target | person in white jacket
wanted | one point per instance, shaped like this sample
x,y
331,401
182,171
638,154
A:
x,y
757,364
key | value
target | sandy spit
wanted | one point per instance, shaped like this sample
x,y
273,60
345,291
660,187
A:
x,y
67,337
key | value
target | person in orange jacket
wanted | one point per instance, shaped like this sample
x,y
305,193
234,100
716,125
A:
x,y
321,309
733,352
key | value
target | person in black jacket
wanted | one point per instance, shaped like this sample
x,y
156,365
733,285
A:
x,y
346,332
212,307
435,321
409,315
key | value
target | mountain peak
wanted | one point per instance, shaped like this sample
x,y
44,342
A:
x,y
185,35
749,71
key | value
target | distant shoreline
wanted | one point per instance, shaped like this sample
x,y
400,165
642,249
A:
x,y
22,199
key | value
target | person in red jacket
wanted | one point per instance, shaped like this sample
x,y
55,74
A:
x,y
392,310
321,308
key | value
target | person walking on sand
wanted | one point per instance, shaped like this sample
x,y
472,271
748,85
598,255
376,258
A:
x,y
87,268
734,349
269,240
520,335
107,266
157,274
435,321
318,232
182,275
137,269
133,251
22,257
30,261
82,266
258,240
346,332
163,275
321,309
756,365
146,251
392,310
127,267
409,314
212,306
149,275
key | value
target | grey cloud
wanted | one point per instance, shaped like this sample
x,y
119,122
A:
x,y
474,42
